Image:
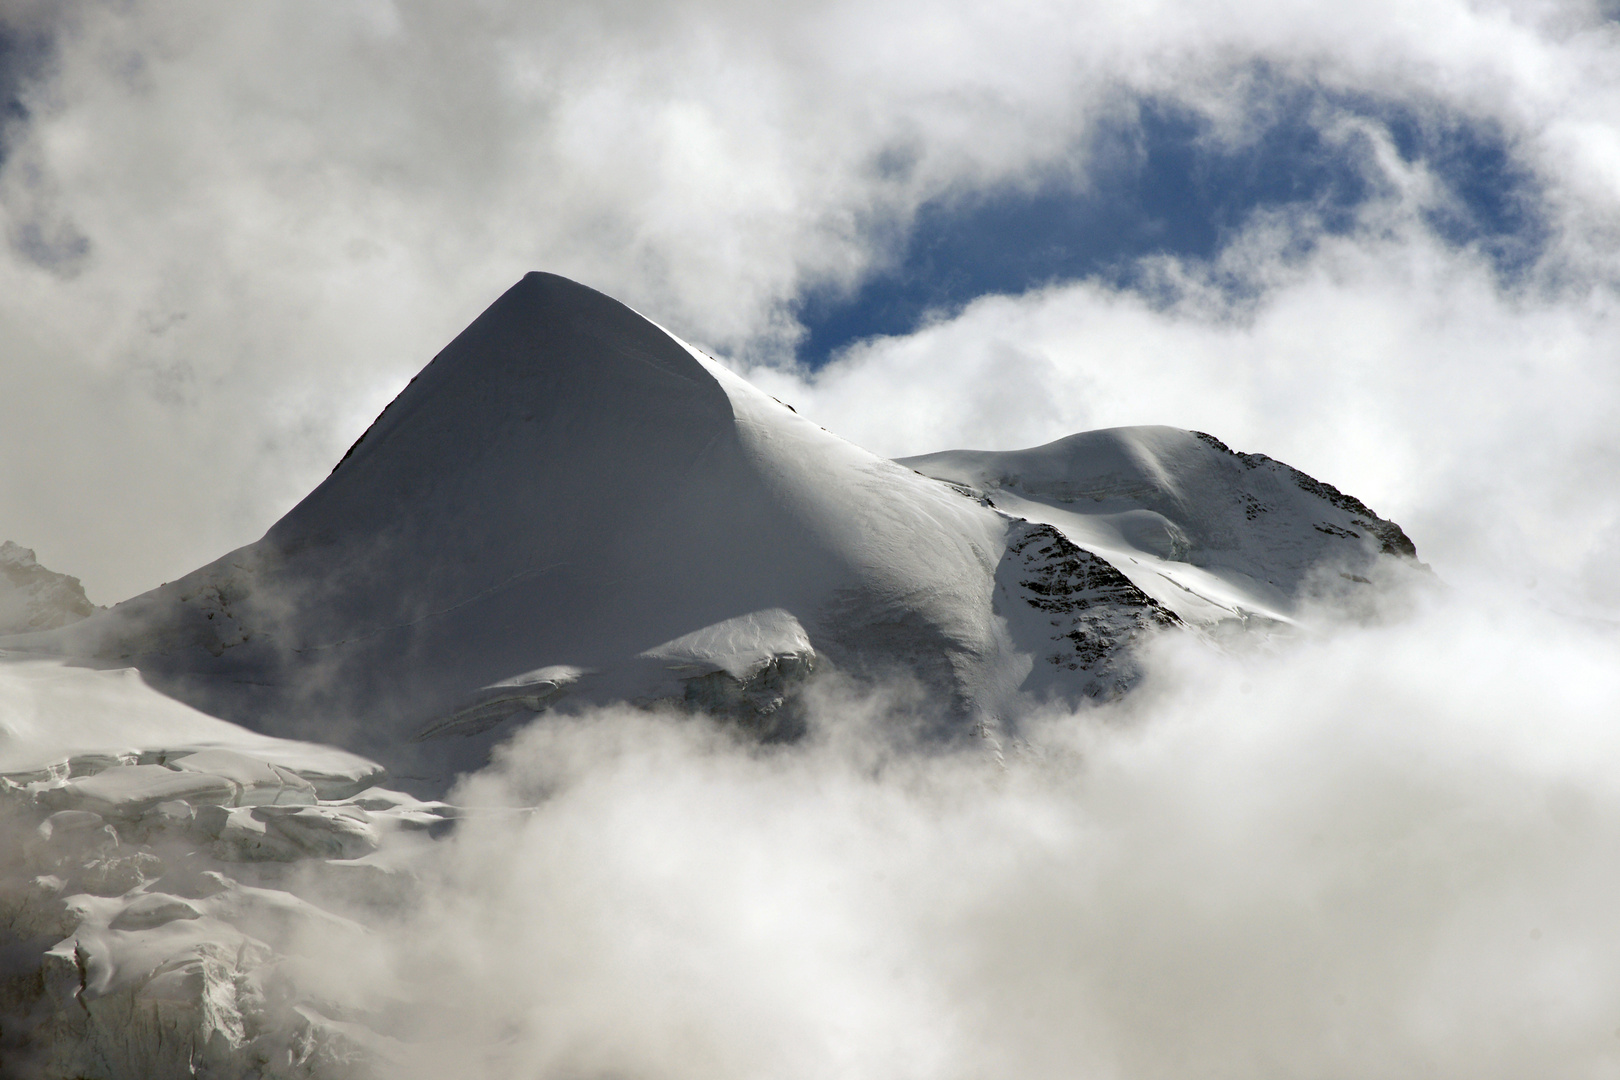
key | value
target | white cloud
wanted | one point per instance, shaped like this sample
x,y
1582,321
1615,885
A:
x,y
1379,852
235,232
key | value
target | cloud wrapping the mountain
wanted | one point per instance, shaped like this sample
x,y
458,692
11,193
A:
x,y
1377,851
231,233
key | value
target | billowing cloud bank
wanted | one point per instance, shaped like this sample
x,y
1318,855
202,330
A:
x,y
1380,853
1382,848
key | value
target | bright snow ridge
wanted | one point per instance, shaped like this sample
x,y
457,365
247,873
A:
x,y
1210,533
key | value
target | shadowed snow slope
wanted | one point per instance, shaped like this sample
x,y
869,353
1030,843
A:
x,y
569,503
565,485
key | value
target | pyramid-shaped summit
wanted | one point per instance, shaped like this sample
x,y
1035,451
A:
x,y
568,504
565,488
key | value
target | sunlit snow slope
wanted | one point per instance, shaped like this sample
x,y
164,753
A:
x,y
569,504
1210,533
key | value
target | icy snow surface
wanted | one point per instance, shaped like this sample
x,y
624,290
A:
x,y
146,899
1209,533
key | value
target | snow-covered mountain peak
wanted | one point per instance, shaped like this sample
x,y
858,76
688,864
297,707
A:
x,y
1211,533
565,486
570,504
33,597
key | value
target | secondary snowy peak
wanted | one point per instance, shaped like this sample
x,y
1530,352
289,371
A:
x,y
35,598
1210,533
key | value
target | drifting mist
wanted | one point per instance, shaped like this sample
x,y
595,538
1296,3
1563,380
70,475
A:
x,y
1377,849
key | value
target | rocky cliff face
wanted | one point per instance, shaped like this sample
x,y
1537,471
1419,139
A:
x,y
1081,619
35,598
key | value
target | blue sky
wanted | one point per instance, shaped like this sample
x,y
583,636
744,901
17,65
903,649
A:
x,y
1152,178
1155,181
